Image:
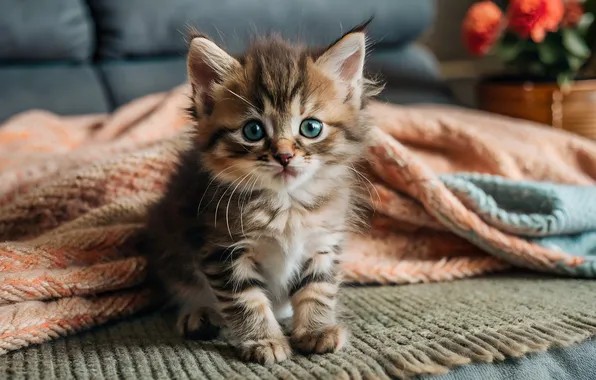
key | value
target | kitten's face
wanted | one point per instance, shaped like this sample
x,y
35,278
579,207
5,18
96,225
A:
x,y
279,118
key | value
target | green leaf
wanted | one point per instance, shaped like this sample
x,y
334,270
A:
x,y
575,44
536,69
585,23
575,63
509,50
564,79
548,52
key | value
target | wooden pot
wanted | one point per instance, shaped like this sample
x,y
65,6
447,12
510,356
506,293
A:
x,y
544,102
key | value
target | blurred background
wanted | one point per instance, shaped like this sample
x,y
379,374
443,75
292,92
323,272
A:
x,y
444,39
89,56
92,56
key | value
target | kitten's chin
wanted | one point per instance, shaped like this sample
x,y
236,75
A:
x,y
289,175
290,178
286,181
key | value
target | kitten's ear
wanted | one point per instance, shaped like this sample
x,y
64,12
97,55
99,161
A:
x,y
207,64
344,59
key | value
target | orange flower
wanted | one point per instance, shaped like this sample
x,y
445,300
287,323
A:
x,y
482,27
574,10
534,18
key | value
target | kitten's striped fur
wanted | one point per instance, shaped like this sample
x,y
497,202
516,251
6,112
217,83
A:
x,y
237,240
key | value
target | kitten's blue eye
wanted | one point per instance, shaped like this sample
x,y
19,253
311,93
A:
x,y
253,131
311,128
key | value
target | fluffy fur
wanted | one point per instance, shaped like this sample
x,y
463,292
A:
x,y
250,233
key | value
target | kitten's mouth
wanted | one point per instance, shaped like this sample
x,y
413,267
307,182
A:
x,y
287,173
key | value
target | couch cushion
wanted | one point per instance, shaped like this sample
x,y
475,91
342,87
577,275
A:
x,y
128,80
135,28
64,90
45,30
411,75
410,72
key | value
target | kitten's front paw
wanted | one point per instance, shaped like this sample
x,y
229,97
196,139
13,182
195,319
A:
x,y
328,339
198,324
266,351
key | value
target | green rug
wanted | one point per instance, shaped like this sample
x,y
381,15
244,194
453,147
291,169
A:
x,y
397,331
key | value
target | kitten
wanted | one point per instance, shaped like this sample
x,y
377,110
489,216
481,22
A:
x,y
252,225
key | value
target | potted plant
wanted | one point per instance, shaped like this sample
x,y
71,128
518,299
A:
x,y
547,50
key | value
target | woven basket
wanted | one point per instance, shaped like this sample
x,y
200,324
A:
x,y
573,109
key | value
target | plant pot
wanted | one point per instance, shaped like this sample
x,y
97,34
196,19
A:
x,y
542,101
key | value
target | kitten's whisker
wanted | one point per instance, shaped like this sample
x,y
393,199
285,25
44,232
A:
x,y
362,176
241,98
228,258
219,32
246,149
220,184
260,184
243,199
240,204
230,199
220,199
209,185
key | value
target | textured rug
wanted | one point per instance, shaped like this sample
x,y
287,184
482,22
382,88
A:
x,y
398,331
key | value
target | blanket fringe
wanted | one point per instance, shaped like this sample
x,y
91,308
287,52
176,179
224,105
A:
x,y
487,346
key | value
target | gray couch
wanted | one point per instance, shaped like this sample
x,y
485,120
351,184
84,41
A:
x,y
90,56
77,56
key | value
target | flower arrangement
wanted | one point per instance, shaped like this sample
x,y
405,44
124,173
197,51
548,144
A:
x,y
546,39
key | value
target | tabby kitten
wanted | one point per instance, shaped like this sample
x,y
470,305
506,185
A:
x,y
252,225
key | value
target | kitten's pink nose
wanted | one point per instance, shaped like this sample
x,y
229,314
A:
x,y
284,158
283,151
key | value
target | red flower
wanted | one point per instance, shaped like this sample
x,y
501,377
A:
x,y
534,18
482,27
574,10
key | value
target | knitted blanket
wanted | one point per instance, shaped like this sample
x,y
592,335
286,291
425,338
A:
x,y
73,190
556,216
560,217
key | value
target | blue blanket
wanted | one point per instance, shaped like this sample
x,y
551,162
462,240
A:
x,y
559,217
